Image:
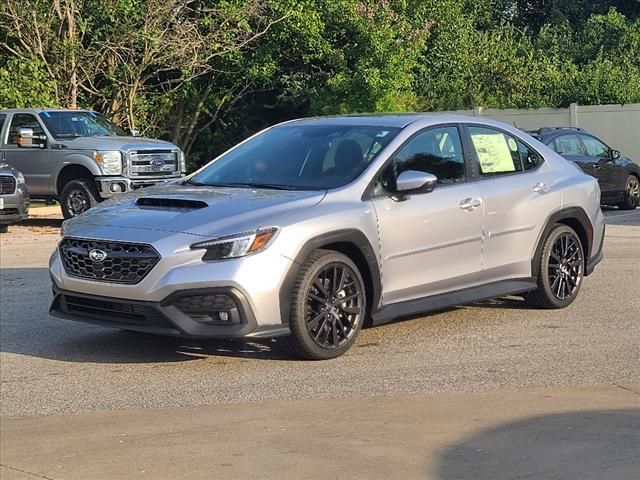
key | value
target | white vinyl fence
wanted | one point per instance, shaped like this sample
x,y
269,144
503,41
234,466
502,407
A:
x,y
616,125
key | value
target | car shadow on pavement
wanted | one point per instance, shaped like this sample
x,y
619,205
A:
x,y
595,444
42,222
27,329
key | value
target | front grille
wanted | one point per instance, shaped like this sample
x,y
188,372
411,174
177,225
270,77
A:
x,y
109,310
153,163
107,261
7,184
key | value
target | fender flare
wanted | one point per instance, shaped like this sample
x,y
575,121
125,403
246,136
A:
x,y
573,214
351,236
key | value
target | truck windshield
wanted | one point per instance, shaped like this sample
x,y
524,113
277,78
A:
x,y
70,124
298,157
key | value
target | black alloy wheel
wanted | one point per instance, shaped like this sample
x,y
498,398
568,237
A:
x,y
328,308
560,270
334,306
565,266
632,194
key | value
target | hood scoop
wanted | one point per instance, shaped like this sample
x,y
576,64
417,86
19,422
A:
x,y
180,203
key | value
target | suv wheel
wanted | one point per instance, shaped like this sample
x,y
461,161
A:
x,y
560,271
328,306
631,194
77,197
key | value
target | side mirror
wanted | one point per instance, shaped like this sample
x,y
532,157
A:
x,y
26,139
135,132
615,154
412,181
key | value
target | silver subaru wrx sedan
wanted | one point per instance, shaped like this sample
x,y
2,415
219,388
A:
x,y
313,228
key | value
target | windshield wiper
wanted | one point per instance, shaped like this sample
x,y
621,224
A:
x,y
68,135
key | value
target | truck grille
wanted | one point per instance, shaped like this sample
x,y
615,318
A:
x,y
153,163
106,261
7,184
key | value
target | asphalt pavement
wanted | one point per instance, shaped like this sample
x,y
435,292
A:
x,y
544,394
56,366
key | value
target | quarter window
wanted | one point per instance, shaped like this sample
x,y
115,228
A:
x,y
23,120
437,151
568,145
595,148
500,153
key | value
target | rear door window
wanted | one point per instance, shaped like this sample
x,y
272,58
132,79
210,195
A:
x,y
568,146
499,153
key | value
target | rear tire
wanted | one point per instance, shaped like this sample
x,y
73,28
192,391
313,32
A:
x,y
328,306
77,197
631,194
560,270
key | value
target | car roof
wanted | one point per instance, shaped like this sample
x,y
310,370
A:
x,y
398,120
40,110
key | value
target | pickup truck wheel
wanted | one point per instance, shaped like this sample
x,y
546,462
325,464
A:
x,y
77,197
328,306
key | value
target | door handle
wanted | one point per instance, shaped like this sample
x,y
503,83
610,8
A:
x,y
470,203
541,187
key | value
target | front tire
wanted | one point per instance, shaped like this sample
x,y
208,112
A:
x,y
328,306
631,194
560,270
77,197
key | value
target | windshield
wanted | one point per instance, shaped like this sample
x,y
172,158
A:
x,y
69,124
299,157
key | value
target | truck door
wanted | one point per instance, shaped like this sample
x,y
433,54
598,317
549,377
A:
x,y
34,163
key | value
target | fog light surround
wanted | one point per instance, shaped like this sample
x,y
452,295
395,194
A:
x,y
210,308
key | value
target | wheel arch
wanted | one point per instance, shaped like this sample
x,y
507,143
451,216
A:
x,y
72,172
351,243
578,220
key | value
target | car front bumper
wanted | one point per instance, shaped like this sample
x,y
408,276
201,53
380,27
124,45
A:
x,y
14,207
251,285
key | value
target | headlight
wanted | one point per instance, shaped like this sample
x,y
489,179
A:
x,y
182,162
110,161
234,246
20,178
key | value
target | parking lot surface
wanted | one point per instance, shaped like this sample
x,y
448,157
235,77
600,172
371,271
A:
x,y
52,366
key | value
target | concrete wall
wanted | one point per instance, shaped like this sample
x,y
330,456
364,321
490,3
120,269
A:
x,y
616,125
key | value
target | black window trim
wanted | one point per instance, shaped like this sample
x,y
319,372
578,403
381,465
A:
x,y
369,191
477,176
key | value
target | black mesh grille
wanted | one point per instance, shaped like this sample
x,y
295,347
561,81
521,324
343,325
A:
x,y
7,184
107,261
113,311
205,303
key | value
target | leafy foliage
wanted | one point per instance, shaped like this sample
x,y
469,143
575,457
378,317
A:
x,y
207,73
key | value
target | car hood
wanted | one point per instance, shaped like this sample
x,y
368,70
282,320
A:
x,y
115,143
205,211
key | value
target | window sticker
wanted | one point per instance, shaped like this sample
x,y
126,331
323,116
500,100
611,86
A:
x,y
493,153
513,145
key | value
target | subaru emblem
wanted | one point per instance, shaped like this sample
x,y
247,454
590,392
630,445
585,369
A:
x,y
97,256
